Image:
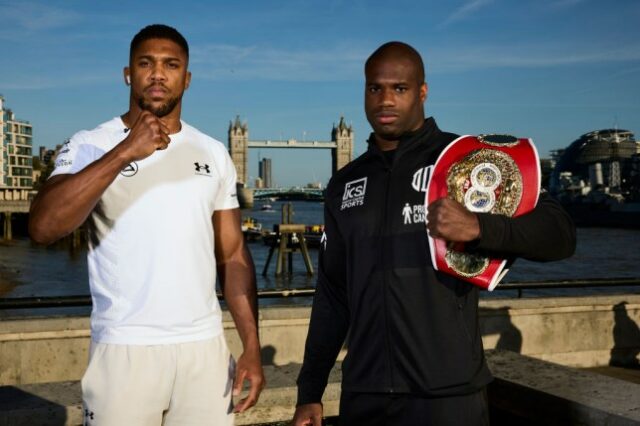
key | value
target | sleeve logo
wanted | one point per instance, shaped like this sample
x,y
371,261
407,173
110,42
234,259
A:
x,y
63,162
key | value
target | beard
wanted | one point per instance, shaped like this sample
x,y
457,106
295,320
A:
x,y
159,111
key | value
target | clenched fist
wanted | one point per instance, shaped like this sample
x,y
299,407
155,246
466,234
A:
x,y
451,221
147,135
308,415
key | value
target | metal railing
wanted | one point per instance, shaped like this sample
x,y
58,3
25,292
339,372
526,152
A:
x,y
520,287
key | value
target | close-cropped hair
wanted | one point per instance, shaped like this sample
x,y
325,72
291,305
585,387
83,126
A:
x,y
398,49
158,31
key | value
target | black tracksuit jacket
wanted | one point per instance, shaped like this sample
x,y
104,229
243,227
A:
x,y
410,328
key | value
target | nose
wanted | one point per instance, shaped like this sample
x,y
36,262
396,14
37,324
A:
x,y
387,97
157,73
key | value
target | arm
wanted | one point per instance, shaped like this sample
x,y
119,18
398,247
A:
x,y
238,281
328,326
546,233
65,200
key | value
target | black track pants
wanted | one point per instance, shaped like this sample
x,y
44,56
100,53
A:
x,y
376,409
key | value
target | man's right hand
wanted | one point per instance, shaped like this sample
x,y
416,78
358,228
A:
x,y
308,415
147,135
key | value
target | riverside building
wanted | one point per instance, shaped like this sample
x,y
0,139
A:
x,y
16,162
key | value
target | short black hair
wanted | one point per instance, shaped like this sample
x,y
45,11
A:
x,y
158,31
398,49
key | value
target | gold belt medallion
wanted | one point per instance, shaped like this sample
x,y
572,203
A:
x,y
485,181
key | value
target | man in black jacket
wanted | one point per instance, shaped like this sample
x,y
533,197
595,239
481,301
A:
x,y
415,351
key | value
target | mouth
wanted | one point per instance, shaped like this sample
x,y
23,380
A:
x,y
386,117
155,92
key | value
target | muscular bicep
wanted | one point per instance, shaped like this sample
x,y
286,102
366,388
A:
x,y
50,183
229,241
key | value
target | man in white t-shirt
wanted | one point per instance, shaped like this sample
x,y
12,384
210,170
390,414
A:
x,y
159,198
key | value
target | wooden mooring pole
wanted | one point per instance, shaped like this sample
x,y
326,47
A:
x,y
289,239
7,232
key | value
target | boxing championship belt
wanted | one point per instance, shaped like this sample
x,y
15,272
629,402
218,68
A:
x,y
496,174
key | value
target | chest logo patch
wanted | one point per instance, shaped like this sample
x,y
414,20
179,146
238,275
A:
x,y
354,193
421,179
202,169
130,170
413,214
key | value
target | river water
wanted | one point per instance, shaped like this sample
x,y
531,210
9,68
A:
x,y
28,270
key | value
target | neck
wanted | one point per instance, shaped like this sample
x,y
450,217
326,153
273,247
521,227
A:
x,y
171,120
386,145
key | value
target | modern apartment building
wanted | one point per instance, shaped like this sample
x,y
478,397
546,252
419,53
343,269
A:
x,y
16,162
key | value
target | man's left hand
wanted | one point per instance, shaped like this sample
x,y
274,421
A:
x,y
451,221
248,367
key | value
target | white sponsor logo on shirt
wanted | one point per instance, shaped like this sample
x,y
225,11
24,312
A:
x,y
130,170
354,193
413,214
421,179
63,162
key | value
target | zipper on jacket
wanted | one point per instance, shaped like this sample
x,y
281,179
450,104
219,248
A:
x,y
385,284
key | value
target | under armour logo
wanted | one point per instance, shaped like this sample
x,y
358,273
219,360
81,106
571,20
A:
x,y
199,167
88,415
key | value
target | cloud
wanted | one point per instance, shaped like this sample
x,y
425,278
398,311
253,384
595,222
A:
x,y
341,62
565,4
223,61
31,16
625,72
527,56
41,82
464,11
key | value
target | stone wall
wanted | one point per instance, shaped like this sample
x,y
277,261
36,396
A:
x,y
582,331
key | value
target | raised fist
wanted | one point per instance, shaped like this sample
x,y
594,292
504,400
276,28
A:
x,y
147,135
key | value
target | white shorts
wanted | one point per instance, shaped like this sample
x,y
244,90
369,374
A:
x,y
180,384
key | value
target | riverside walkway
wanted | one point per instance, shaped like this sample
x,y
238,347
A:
x,y
541,351
524,388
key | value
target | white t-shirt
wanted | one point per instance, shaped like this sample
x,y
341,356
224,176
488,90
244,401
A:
x,y
152,269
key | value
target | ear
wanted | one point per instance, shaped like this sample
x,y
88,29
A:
x,y
424,89
127,76
188,80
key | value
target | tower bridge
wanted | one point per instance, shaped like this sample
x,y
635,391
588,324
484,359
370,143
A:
x,y
341,146
306,193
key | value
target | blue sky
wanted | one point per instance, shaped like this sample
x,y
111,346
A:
x,y
547,69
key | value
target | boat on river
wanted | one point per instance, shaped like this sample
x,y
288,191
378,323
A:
x,y
251,228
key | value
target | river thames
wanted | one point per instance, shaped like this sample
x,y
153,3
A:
x,y
28,270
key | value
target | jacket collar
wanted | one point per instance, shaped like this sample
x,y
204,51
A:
x,y
408,140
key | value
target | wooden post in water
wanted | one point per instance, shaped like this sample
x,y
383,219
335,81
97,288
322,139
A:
x,y
286,245
290,239
8,234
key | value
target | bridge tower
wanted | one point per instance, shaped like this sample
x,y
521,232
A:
x,y
239,149
342,154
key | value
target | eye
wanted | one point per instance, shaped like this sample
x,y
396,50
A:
x,y
373,89
144,63
173,65
401,89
